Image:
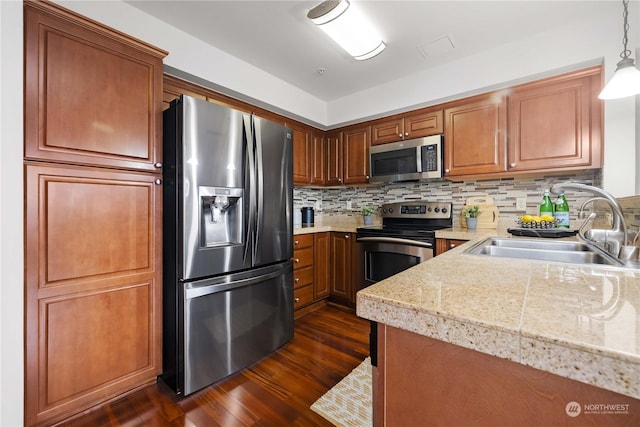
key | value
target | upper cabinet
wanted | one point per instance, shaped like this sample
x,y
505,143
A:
x,y
474,138
348,156
70,64
319,159
302,156
407,126
556,123
547,126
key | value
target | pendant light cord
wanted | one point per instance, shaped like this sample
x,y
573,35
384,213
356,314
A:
x,y
626,52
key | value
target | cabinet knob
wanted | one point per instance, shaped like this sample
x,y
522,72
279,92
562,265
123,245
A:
x,y
451,246
399,135
339,179
346,236
446,171
512,165
296,260
296,299
297,242
158,165
158,181
367,177
406,134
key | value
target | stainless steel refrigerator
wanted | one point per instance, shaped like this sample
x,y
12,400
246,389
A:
x,y
227,242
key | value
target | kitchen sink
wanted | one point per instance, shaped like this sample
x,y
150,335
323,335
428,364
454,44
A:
x,y
544,250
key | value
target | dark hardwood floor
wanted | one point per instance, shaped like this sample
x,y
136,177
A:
x,y
277,391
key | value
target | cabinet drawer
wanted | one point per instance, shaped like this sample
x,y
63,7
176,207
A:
x,y
302,241
302,258
302,296
302,277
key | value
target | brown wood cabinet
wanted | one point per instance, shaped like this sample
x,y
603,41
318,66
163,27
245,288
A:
x,y
443,245
93,213
555,123
319,159
66,65
408,126
334,158
475,137
322,265
302,155
356,155
342,270
302,270
414,372
552,125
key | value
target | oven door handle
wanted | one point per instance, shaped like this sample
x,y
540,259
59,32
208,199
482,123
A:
x,y
395,240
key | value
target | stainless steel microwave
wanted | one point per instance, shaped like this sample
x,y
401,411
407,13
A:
x,y
411,160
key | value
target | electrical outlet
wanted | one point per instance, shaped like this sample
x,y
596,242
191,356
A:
x,y
521,203
318,205
349,205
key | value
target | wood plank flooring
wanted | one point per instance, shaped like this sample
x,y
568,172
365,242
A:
x,y
277,391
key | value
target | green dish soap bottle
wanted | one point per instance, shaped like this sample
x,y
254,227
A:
x,y
561,214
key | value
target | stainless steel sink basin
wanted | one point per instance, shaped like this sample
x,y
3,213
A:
x,y
544,250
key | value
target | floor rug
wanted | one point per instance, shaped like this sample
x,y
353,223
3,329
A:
x,y
348,403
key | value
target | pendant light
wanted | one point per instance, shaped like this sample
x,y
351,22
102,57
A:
x,y
626,80
347,27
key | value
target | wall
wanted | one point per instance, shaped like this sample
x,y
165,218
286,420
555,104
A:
x,y
11,212
504,192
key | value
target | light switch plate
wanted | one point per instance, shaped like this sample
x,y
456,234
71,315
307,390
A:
x,y
521,203
349,205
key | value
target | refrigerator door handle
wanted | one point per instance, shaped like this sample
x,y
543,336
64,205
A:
x,y
249,250
259,178
227,286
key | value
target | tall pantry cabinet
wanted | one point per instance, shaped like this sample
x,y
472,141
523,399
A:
x,y
93,197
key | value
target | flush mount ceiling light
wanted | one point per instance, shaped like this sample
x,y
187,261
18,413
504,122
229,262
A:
x,y
347,27
626,79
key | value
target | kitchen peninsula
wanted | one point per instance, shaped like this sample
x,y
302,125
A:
x,y
462,333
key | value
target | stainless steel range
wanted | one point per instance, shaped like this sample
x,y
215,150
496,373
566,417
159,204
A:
x,y
406,237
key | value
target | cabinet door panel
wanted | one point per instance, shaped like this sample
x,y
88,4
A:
x,y
92,100
301,157
474,138
319,160
322,265
356,156
388,131
425,124
549,125
92,277
334,159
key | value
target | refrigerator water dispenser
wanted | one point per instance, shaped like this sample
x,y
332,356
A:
x,y
220,216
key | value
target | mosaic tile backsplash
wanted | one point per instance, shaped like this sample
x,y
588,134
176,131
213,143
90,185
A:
x,y
333,201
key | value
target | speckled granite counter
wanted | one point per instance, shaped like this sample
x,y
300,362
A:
x,y
579,322
343,223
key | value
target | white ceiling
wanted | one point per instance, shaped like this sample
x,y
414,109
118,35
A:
x,y
276,36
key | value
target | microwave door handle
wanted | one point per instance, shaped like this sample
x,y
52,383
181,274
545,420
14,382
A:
x,y
395,240
419,159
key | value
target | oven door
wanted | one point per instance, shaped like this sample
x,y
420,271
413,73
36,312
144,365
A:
x,y
385,256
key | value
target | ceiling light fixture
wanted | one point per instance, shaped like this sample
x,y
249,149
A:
x,y
347,27
626,79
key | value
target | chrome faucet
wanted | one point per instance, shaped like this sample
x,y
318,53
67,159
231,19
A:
x,y
614,239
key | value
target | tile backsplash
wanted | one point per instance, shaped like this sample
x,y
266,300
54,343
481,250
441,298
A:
x,y
333,201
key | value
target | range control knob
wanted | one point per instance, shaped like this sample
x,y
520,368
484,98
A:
x,y
444,210
437,209
390,210
429,209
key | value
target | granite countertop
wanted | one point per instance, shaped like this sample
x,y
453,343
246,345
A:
x,y
579,322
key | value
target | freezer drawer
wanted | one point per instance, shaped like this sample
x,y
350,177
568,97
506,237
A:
x,y
233,321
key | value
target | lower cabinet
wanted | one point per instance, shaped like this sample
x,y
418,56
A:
x,y
344,273
93,287
418,378
311,269
443,245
